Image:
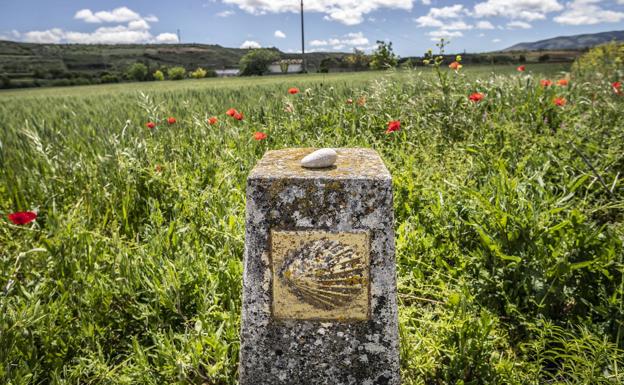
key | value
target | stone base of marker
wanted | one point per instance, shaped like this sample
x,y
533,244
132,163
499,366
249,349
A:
x,y
319,296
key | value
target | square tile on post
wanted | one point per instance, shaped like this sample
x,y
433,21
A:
x,y
319,282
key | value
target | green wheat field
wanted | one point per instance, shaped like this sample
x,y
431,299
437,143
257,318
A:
x,y
509,221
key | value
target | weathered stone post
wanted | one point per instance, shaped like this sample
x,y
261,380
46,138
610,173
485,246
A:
x,y
319,285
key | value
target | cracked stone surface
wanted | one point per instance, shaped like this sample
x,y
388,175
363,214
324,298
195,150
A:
x,y
355,195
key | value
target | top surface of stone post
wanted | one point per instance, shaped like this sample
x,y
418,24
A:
x,y
319,285
352,163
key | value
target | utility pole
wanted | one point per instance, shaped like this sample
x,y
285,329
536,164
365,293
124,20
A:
x,y
179,37
305,67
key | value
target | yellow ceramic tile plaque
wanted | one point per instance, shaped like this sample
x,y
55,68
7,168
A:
x,y
320,275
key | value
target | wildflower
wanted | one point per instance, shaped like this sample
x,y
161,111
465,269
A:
x,y
171,120
559,101
361,101
393,126
158,168
259,135
546,82
231,112
349,101
238,116
476,97
521,68
293,90
150,125
212,120
455,66
22,217
562,82
617,87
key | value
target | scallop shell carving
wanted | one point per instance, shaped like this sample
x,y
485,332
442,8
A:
x,y
325,274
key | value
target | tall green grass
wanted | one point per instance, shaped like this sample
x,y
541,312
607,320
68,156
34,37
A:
x,y
509,224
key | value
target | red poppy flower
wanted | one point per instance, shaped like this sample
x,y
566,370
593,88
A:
x,y
476,97
617,87
393,126
259,135
238,116
150,125
212,120
455,66
22,217
293,90
231,112
560,101
521,68
349,101
562,82
171,120
546,82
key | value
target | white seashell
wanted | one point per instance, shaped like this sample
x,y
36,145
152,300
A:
x,y
325,157
325,274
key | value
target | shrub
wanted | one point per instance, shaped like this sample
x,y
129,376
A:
x,y
604,60
109,78
384,56
199,73
177,73
158,75
256,61
137,71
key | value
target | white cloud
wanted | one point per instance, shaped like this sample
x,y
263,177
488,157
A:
x,y
349,12
136,31
354,38
167,38
350,40
117,15
227,13
13,35
435,18
452,12
428,21
456,25
496,40
108,35
318,43
587,12
518,9
279,34
518,25
428,2
250,44
484,25
54,35
139,24
439,34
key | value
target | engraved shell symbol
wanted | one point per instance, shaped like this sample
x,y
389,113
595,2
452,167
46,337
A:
x,y
325,274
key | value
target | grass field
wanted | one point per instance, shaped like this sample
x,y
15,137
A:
x,y
509,222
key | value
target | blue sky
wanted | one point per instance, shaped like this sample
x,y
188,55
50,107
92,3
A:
x,y
331,25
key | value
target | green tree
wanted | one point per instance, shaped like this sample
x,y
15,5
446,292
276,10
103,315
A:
x,y
256,61
199,73
384,56
177,73
158,75
137,71
357,60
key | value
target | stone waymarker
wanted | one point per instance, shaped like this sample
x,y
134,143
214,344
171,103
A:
x,y
319,286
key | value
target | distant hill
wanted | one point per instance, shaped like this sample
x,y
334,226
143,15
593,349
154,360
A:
x,y
29,60
569,42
